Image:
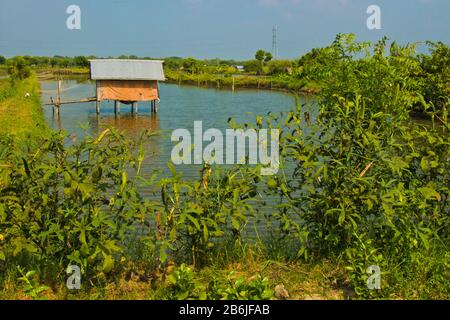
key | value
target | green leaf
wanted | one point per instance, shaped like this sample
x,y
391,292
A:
x,y
235,223
429,193
108,263
172,168
341,217
124,181
193,220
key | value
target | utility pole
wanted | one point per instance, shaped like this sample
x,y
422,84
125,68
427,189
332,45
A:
x,y
274,43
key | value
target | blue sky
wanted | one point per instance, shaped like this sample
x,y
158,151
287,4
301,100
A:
x,y
209,28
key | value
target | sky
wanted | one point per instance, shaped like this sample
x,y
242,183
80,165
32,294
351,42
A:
x,y
227,29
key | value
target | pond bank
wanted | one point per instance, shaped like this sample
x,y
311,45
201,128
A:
x,y
207,80
20,108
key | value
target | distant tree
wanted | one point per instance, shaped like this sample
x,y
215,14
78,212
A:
x,y
81,61
18,69
279,66
263,57
53,62
173,63
268,57
259,55
2,60
193,66
252,66
64,62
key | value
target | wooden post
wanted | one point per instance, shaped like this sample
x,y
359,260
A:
x,y
59,92
53,105
132,107
58,100
152,108
137,107
115,106
232,87
97,106
156,106
118,106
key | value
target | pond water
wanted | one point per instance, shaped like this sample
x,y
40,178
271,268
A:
x,y
180,106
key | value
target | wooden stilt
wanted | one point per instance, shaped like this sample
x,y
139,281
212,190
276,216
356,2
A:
x,y
232,87
137,110
58,101
97,106
132,107
118,107
156,106
115,106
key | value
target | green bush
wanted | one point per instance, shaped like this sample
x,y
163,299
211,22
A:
x,y
63,205
367,184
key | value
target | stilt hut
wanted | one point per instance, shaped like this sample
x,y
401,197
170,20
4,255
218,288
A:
x,y
127,81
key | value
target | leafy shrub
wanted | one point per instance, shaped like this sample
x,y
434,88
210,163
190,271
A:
x,y
182,286
365,183
69,205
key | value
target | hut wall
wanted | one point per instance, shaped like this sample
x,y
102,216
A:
x,y
127,90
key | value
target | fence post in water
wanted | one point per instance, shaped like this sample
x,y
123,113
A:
x,y
58,99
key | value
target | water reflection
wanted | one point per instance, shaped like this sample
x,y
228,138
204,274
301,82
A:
x,y
132,124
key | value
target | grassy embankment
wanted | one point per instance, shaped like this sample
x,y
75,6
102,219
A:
x,y
211,80
20,108
281,83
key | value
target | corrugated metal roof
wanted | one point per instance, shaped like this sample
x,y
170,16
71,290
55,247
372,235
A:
x,y
124,69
